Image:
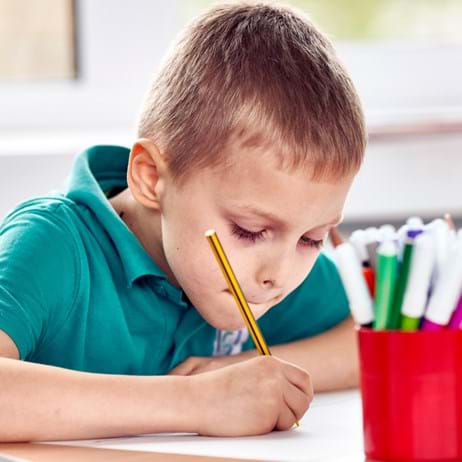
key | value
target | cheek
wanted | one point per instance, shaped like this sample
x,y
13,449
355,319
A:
x,y
193,264
304,268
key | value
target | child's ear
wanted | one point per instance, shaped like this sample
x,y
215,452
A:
x,y
146,174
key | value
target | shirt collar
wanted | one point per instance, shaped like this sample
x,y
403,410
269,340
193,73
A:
x,y
96,170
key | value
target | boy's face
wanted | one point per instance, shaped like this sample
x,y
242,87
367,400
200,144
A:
x,y
271,255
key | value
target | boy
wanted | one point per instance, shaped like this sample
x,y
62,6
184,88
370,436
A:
x,y
253,128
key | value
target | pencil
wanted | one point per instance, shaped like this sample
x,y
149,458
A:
x,y
236,291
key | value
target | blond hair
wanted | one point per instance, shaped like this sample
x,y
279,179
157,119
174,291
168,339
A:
x,y
263,73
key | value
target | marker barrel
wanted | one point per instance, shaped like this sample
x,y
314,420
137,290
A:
x,y
456,320
420,274
387,266
358,295
409,324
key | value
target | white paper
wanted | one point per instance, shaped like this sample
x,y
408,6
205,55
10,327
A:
x,y
330,431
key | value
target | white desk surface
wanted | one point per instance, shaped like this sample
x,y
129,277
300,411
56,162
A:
x,y
331,431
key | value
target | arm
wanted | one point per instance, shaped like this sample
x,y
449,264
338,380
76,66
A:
x,y
331,358
40,402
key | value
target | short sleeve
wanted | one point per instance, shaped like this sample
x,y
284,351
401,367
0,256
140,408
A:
x,y
38,274
318,304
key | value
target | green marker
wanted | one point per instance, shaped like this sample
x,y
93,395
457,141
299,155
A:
x,y
401,283
395,318
385,282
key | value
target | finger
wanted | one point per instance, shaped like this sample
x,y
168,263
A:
x,y
286,419
298,377
296,400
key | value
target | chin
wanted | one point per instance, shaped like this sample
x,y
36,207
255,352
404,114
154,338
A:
x,y
232,322
227,324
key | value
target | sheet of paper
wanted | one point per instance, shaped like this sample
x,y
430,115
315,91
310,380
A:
x,y
330,431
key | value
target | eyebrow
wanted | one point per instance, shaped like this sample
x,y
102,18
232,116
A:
x,y
271,217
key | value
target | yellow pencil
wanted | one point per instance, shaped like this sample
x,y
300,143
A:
x,y
236,291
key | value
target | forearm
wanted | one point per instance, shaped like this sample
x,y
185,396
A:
x,y
40,402
331,358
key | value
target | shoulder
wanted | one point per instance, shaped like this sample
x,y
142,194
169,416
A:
x,y
48,219
38,235
39,270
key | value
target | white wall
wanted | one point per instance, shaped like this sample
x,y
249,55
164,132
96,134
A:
x,y
408,176
121,43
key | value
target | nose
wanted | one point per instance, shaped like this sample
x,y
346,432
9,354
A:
x,y
273,273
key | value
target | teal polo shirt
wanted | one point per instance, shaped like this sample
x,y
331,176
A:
x,y
78,290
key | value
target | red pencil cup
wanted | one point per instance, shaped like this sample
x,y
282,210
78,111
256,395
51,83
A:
x,y
411,388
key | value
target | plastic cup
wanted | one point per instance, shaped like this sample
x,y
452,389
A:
x,y
411,389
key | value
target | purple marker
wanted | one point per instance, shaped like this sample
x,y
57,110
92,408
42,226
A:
x,y
456,320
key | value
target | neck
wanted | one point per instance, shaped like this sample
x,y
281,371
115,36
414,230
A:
x,y
145,224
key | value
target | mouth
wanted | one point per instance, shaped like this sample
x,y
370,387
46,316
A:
x,y
252,302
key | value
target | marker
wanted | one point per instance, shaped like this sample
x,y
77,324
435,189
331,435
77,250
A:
x,y
358,241
387,233
372,242
456,319
415,296
414,229
401,235
439,230
447,291
359,298
416,222
385,282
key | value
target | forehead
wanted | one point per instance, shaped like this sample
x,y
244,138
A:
x,y
252,178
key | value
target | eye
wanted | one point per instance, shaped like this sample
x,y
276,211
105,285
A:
x,y
245,234
307,242
253,236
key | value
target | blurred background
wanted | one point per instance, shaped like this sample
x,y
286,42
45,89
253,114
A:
x,y
73,73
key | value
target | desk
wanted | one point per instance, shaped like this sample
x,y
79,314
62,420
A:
x,y
331,431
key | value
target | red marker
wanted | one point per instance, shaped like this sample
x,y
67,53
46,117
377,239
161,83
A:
x,y
358,240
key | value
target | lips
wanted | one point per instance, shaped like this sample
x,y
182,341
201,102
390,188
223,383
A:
x,y
264,302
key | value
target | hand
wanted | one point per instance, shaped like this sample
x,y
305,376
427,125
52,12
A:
x,y
199,364
251,398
